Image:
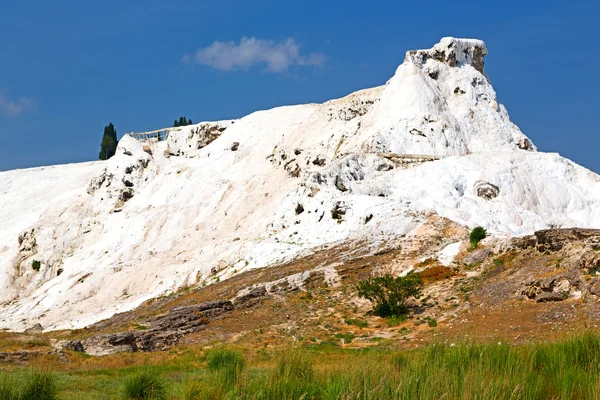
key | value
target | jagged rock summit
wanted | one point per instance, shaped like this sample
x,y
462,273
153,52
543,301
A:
x,y
218,198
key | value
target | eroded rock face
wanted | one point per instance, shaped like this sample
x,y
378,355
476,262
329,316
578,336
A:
x,y
486,190
318,277
594,287
27,246
590,261
454,52
186,141
103,345
162,331
17,356
554,288
525,144
550,240
125,173
556,239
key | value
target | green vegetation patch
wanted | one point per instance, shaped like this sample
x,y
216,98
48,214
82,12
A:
x,y
562,370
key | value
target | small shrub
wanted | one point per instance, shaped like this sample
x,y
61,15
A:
x,y
36,265
145,385
477,235
431,322
41,385
389,294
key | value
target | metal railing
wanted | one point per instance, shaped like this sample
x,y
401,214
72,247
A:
x,y
159,134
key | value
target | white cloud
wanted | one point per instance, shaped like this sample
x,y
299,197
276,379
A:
x,y
14,108
250,51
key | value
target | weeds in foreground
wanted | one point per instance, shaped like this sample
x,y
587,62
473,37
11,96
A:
x,y
562,370
145,385
35,385
229,364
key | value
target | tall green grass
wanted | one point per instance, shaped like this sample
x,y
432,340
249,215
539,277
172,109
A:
x,y
144,385
32,385
559,371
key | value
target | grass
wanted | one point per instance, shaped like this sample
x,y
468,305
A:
x,y
562,370
228,363
346,337
31,385
144,385
357,322
396,320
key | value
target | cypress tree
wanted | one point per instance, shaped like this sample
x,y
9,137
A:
x,y
183,121
108,147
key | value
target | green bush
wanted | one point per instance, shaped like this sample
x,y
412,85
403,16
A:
x,y
145,385
41,385
389,294
36,265
477,235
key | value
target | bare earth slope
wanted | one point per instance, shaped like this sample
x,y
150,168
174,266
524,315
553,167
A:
x,y
218,199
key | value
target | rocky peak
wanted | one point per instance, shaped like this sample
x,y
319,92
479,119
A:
x,y
454,52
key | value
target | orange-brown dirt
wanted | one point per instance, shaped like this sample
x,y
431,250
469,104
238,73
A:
x,y
484,302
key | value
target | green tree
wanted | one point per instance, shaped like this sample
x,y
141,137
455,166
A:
x,y
108,147
477,235
389,294
183,121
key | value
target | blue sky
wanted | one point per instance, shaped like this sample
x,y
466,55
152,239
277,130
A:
x,y
68,68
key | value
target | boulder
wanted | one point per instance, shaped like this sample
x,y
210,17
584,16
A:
x,y
102,345
37,328
249,295
477,256
590,261
594,287
73,345
549,297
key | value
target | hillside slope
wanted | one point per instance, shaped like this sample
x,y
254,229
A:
x,y
219,198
